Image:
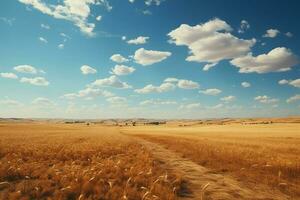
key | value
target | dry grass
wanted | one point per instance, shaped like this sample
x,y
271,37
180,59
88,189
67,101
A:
x,y
48,161
257,155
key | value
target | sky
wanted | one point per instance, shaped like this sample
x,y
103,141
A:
x,y
95,59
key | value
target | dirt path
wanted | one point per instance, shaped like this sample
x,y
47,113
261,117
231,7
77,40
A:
x,y
220,186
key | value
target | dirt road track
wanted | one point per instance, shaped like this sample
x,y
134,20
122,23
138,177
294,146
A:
x,y
221,187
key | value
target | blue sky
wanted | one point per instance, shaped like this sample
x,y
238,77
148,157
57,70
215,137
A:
x,y
149,58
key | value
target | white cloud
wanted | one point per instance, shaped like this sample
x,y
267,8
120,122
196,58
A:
x,y
118,58
211,91
171,80
45,26
65,36
72,10
283,81
149,57
111,81
25,69
88,93
153,2
123,37
289,34
41,101
271,33
61,46
98,18
164,87
293,98
187,84
9,75
121,70
266,99
295,83
218,106
157,102
245,84
228,99
210,42
85,69
277,60
208,66
43,40
190,106
38,81
138,40
116,100
10,102
244,26
182,83
147,12
131,1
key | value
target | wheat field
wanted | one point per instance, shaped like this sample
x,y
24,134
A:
x,y
49,161
55,160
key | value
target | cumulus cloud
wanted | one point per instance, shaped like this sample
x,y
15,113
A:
x,y
45,26
183,83
157,102
271,33
116,100
245,84
85,69
218,106
10,102
210,42
228,99
293,98
38,81
121,70
61,46
147,12
187,84
118,58
190,106
289,34
138,40
98,18
153,2
41,101
71,10
111,81
266,99
9,75
149,57
208,66
295,83
171,80
244,26
25,69
164,87
43,40
277,60
211,91
88,93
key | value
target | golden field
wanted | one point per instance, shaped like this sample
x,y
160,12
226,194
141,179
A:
x,y
177,160
50,161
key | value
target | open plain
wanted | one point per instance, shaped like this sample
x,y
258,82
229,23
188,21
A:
x,y
231,159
